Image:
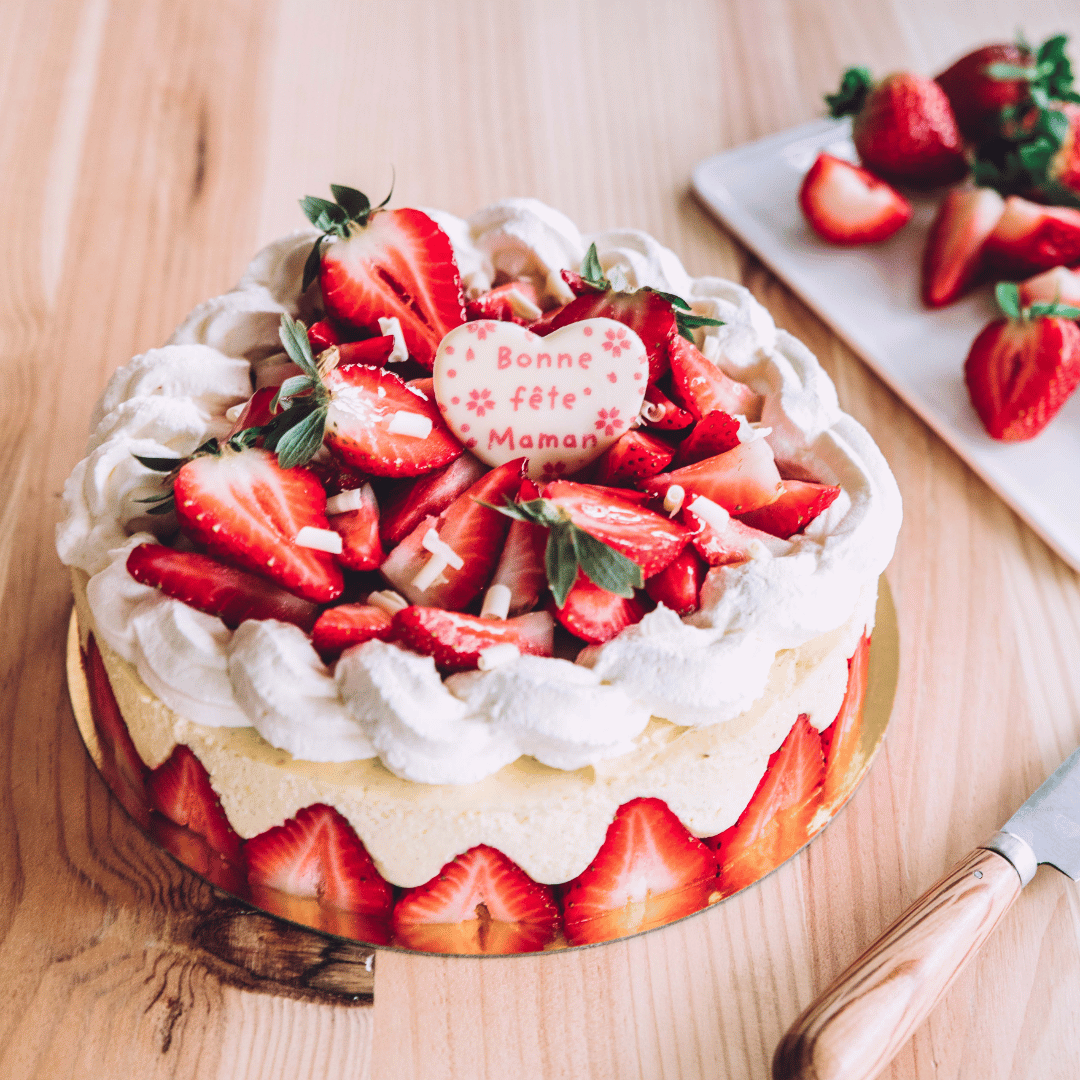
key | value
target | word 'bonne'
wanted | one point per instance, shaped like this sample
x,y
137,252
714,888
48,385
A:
x,y
525,442
524,359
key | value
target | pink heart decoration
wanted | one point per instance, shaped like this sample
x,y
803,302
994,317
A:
x,y
559,400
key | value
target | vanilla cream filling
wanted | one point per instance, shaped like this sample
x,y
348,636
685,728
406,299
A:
x,y
708,671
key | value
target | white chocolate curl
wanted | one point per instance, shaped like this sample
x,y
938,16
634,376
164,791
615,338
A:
x,y
496,603
319,539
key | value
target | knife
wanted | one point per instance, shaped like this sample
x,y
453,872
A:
x,y
853,1030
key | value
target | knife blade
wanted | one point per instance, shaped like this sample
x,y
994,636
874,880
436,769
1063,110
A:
x,y
853,1030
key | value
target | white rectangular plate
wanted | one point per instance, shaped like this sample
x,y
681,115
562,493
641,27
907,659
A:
x,y
870,297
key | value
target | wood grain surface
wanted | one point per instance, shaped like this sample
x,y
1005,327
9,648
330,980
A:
x,y
147,147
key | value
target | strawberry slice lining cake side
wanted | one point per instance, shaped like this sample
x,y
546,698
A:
x,y
499,566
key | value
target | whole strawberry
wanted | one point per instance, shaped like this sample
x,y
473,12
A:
x,y
904,128
984,82
1022,369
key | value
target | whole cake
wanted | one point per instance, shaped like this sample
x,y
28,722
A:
x,y
475,585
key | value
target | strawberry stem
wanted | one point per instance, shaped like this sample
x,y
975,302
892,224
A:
x,y
855,86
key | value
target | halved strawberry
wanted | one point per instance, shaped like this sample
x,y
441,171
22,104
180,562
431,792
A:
x,y
848,205
1022,369
715,433
196,854
647,313
121,766
1030,237
385,264
678,585
790,513
372,352
595,615
721,543
952,258
247,509
739,480
366,404
631,457
643,536
473,531
361,547
840,741
516,301
700,387
339,628
456,640
521,564
660,412
648,872
257,412
1057,286
180,789
412,501
317,855
212,586
776,822
480,902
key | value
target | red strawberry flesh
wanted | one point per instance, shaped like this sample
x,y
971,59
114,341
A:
x,y
431,494
678,585
789,514
847,205
701,387
593,614
455,641
339,628
1030,237
952,259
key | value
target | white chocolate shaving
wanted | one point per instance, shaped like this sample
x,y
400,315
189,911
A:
x,y
232,414
410,423
651,412
556,287
673,499
400,352
711,513
345,501
391,602
432,543
319,539
522,306
496,602
497,656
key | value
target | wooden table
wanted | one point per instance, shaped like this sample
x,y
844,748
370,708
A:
x,y
146,150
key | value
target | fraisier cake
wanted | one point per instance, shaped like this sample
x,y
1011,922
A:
x,y
512,568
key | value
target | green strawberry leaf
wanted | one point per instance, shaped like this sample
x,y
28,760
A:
x,y
313,265
160,464
301,442
355,203
326,216
672,299
289,389
1008,298
604,566
593,272
560,564
688,323
293,335
855,86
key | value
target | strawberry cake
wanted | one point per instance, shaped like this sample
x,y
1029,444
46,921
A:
x,y
474,585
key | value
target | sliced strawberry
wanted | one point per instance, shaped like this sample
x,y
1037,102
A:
x,y
1057,286
952,258
730,541
521,564
662,413
121,766
365,402
339,628
399,264
196,854
372,929
678,585
700,387
595,615
1030,237
180,789
361,547
456,640
480,902
645,537
247,509
257,412
847,205
372,352
647,313
715,433
335,476
840,741
423,386
323,334
648,872
473,531
516,302
976,96
427,495
1020,372
796,507
739,480
776,822
578,285
317,855
631,457
212,586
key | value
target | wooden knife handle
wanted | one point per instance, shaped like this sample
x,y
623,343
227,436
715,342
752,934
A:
x,y
856,1026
